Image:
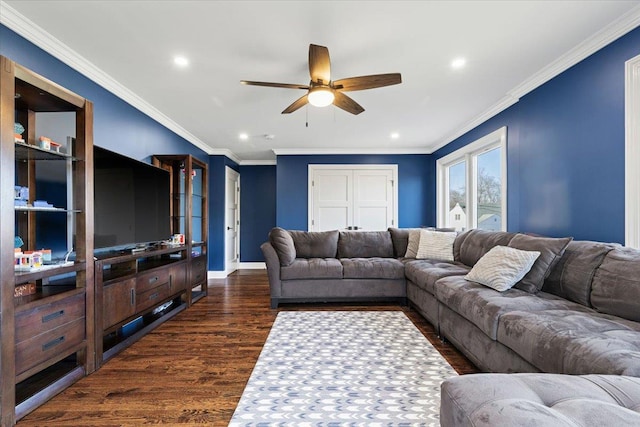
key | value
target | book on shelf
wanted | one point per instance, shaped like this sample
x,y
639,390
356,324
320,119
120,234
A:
x,y
24,289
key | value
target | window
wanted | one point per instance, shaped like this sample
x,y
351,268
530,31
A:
x,y
472,185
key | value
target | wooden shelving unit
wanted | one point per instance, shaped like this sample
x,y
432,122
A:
x,y
48,338
189,215
137,292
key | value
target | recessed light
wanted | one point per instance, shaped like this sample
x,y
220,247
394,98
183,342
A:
x,y
395,135
181,61
243,136
458,63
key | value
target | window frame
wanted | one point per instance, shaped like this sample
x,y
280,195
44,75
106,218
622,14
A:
x,y
469,154
632,152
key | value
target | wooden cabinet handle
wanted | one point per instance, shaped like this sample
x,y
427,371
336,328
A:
x,y
133,296
51,316
52,343
153,279
154,295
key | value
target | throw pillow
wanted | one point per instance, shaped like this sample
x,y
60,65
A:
x,y
282,242
412,245
437,245
551,249
502,267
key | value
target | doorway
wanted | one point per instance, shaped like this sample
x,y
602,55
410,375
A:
x,y
232,221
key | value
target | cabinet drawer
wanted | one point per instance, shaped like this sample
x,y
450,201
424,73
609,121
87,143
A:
x,y
152,279
153,296
31,323
198,271
32,351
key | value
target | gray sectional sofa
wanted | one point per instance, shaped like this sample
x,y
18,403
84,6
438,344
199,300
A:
x,y
333,266
576,312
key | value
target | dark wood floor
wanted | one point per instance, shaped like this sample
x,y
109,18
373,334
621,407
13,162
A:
x,y
192,369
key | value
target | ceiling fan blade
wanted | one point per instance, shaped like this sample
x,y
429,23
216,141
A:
x,y
367,82
347,104
298,103
268,84
319,64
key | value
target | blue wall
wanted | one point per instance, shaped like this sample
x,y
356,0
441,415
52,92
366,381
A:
x,y
565,147
257,209
416,195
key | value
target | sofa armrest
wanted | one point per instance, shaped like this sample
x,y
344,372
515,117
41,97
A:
x,y
273,271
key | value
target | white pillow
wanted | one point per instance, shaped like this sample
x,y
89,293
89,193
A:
x,y
502,267
412,245
436,245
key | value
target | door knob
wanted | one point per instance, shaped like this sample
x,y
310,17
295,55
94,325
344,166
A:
x,y
229,228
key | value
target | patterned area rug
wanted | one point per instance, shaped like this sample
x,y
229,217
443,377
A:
x,y
352,368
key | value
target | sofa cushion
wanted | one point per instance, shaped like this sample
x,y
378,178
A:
x,y
282,242
502,267
483,306
436,245
413,243
616,285
365,244
551,249
471,245
400,240
312,268
372,268
572,276
315,244
573,342
540,400
425,272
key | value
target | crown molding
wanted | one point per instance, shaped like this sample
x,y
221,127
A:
x,y
500,106
26,28
224,152
344,151
599,40
258,163
18,23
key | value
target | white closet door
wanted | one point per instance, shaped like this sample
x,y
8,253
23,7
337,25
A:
x,y
332,199
349,196
373,200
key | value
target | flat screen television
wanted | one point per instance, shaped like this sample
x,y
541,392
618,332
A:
x,y
132,201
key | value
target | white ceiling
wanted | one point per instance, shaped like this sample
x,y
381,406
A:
x,y
510,46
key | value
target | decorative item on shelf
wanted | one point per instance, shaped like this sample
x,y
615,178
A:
x,y
44,143
24,289
18,129
46,256
41,204
20,193
27,261
17,242
177,239
55,146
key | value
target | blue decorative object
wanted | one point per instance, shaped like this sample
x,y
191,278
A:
x,y
18,128
17,242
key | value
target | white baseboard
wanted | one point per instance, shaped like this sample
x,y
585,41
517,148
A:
x,y
253,266
217,274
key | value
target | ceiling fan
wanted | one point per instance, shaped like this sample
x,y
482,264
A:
x,y
322,91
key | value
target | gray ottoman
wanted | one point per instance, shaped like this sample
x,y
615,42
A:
x,y
540,400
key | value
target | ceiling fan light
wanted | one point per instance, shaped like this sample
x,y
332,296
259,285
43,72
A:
x,y
320,97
